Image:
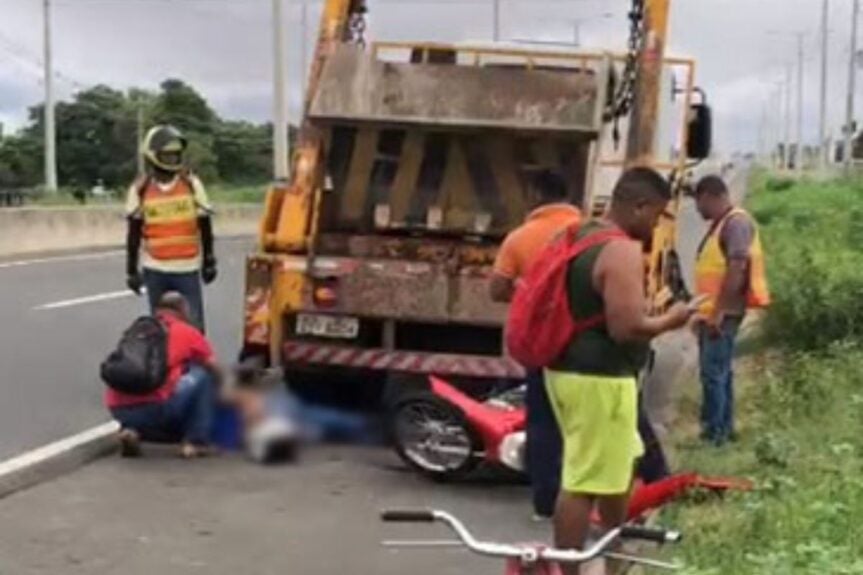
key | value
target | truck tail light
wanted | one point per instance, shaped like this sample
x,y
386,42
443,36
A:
x,y
325,293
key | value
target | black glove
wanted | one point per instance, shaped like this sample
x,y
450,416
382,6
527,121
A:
x,y
135,282
133,247
208,271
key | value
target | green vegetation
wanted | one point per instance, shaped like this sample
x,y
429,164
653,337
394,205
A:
x,y
97,139
250,194
800,405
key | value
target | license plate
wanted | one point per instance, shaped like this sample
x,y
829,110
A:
x,y
336,327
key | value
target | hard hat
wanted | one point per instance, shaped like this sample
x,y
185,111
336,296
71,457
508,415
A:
x,y
164,147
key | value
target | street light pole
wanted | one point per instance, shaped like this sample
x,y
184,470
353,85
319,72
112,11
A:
x,y
798,164
852,79
280,102
824,148
304,47
50,127
496,20
789,86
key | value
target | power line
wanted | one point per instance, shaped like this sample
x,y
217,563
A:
x,y
24,56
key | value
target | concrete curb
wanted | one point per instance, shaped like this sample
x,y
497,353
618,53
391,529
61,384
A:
x,y
55,459
38,230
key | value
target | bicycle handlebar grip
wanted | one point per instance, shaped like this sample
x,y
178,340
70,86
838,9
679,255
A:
x,y
408,516
650,534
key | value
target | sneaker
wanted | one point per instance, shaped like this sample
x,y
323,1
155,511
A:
x,y
130,443
540,518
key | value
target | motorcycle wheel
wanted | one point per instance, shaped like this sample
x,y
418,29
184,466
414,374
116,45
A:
x,y
433,437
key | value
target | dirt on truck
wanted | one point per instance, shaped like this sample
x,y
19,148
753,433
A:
x,y
412,165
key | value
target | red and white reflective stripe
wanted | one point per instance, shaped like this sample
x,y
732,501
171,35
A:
x,y
405,361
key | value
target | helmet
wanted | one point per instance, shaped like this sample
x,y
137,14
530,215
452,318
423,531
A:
x,y
164,147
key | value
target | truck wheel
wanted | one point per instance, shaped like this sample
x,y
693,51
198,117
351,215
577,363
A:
x,y
433,436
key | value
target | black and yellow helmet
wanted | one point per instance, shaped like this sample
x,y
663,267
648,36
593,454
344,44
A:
x,y
164,147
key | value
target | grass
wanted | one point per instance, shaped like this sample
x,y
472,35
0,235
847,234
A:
x,y
238,194
800,404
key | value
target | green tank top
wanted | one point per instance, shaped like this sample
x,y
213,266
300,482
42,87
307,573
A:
x,y
593,351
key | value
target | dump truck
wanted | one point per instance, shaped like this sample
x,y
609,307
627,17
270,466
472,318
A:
x,y
411,166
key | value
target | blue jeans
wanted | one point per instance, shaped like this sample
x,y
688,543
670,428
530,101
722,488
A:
x,y
186,416
652,466
544,446
188,284
717,379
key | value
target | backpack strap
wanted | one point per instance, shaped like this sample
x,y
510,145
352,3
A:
x,y
579,247
596,238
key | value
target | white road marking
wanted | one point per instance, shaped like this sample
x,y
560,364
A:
x,y
59,259
86,299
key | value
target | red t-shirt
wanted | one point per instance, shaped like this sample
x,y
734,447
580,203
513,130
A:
x,y
185,344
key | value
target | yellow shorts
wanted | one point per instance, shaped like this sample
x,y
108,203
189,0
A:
x,y
598,419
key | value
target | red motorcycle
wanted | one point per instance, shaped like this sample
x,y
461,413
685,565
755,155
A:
x,y
445,434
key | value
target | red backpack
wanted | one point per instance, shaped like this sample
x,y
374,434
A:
x,y
540,323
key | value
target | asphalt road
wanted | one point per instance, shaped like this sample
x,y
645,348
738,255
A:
x,y
59,317
229,517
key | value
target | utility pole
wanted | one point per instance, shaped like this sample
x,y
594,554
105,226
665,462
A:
x,y
50,127
786,148
779,112
496,20
280,102
304,47
848,150
798,157
140,134
763,138
824,147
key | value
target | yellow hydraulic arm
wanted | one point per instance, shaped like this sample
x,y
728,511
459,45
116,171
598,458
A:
x,y
645,110
644,119
287,220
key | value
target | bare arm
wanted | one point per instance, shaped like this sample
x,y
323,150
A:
x,y
733,283
619,277
501,288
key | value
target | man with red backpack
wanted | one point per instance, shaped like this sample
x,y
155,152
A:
x,y
582,313
552,213
169,213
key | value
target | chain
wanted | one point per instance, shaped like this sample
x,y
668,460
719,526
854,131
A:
x,y
624,91
357,23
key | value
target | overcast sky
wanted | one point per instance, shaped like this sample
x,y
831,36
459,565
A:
x,y
223,47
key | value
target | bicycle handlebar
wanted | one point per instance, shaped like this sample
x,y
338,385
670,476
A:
x,y
408,516
533,554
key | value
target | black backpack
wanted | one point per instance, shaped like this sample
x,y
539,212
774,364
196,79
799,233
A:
x,y
139,365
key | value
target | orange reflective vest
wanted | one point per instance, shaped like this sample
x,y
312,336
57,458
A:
x,y
711,266
170,221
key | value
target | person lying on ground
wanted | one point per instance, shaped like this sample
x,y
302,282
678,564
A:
x,y
181,410
267,414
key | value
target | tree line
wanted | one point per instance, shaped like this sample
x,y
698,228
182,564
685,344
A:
x,y
97,139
